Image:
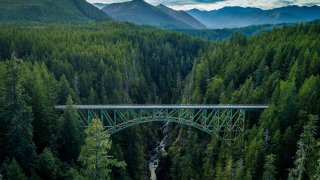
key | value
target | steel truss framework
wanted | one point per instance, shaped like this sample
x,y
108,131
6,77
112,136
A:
x,y
226,122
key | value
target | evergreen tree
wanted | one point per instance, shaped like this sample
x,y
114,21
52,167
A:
x,y
269,172
73,174
94,153
134,152
317,173
12,171
70,134
48,165
215,88
239,172
229,170
44,122
306,144
18,118
63,90
119,173
210,159
219,171
118,62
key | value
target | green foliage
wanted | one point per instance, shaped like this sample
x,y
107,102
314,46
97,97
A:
x,y
58,11
187,158
73,174
317,174
132,62
269,172
70,135
39,84
134,152
210,159
48,165
223,34
308,96
92,63
119,173
215,88
121,63
270,68
94,153
12,171
307,146
16,116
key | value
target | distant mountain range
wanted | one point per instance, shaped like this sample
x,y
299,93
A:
x,y
100,5
56,11
238,17
182,16
142,13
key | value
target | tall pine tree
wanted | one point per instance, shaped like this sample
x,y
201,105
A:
x,y
18,118
94,153
70,134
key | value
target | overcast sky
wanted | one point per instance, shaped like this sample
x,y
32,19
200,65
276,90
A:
x,y
217,4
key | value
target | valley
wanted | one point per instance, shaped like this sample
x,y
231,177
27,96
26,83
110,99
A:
x,y
72,53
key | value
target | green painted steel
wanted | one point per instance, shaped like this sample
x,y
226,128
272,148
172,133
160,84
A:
x,y
226,122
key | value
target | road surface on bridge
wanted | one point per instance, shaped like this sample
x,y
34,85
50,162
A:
x,y
168,106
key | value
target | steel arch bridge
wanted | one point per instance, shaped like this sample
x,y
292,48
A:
x,y
226,122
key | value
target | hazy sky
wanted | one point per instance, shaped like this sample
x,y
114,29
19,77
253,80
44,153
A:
x,y
217,4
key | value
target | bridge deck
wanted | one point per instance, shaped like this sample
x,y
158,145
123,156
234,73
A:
x,y
154,106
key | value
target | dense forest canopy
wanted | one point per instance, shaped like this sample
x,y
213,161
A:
x,y
122,62
104,63
226,33
280,68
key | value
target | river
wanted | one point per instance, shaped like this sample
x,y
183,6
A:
x,y
156,152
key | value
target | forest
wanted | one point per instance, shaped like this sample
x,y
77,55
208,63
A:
x,y
43,65
280,68
226,33
57,11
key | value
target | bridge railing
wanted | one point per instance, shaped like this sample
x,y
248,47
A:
x,y
168,106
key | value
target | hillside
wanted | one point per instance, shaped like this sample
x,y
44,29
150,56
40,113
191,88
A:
x,y
280,68
239,17
182,16
96,63
141,13
53,11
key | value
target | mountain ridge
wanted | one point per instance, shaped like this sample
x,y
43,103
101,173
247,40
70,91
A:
x,y
235,16
141,13
182,16
100,5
